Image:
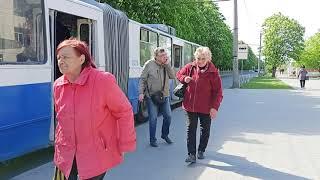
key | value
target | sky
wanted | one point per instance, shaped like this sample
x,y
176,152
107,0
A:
x,y
252,13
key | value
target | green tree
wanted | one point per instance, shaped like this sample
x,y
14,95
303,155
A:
x,y
283,40
311,54
196,21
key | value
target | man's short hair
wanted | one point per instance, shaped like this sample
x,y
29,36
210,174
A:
x,y
158,50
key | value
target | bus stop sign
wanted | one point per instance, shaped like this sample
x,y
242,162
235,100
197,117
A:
x,y
243,50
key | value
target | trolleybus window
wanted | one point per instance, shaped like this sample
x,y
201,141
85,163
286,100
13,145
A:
x,y
187,53
177,56
22,32
148,42
84,33
165,42
194,48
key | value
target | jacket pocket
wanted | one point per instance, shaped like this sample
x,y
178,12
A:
x,y
108,142
104,144
150,88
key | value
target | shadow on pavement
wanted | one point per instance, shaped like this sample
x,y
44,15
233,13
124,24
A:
x,y
242,166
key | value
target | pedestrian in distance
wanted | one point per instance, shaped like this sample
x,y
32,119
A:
x,y
302,75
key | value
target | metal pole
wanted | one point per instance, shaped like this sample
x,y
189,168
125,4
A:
x,y
242,66
236,83
259,55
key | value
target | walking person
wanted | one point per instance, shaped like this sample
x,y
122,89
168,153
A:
x,y
95,124
302,75
202,99
154,87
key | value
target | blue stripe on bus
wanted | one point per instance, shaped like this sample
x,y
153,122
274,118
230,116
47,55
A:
x,y
133,92
25,116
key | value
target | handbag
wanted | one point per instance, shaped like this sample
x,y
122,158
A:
x,y
180,89
58,175
158,97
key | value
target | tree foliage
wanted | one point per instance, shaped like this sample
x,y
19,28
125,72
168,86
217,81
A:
x,y
196,21
311,55
283,40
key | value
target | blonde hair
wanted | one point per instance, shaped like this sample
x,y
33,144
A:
x,y
158,50
203,50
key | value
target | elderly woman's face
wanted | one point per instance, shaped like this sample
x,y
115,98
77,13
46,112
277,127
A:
x,y
202,60
68,61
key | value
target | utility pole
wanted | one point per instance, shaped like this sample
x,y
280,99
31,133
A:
x,y
259,60
236,83
242,66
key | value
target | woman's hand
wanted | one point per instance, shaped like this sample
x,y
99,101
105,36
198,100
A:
x,y
213,113
187,79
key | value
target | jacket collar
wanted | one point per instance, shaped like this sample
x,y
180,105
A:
x,y
81,80
210,68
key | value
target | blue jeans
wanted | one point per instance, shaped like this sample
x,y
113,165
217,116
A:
x,y
153,111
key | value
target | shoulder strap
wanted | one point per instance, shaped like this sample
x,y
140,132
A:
x,y
164,78
190,74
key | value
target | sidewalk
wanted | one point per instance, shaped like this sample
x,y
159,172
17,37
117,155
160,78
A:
x,y
311,85
259,134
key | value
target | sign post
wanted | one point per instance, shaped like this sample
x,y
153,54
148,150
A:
x,y
243,50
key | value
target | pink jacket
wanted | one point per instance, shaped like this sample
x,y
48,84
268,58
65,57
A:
x,y
95,123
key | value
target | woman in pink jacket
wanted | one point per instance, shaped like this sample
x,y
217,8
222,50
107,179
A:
x,y
95,124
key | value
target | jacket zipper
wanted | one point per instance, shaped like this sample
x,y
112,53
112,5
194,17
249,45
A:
x,y
74,116
195,90
159,76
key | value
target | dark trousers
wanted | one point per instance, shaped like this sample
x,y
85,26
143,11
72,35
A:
x,y
192,123
302,83
74,173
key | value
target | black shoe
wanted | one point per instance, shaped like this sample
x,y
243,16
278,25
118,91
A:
x,y
200,155
167,139
191,158
153,144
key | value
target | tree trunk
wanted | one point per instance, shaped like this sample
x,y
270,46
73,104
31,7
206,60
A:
x,y
274,70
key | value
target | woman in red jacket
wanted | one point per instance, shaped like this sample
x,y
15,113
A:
x,y
201,99
95,123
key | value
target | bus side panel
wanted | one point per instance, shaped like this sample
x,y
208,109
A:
x,y
25,115
133,94
134,66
